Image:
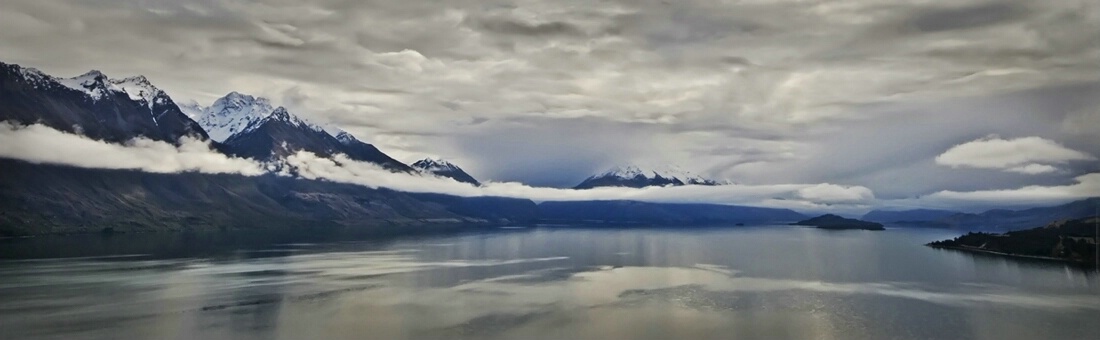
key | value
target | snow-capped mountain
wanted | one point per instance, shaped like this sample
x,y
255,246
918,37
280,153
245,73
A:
x,y
282,133
637,177
231,114
345,138
444,168
94,105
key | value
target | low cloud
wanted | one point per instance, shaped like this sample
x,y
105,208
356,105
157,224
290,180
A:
x,y
815,197
1027,155
1085,186
41,144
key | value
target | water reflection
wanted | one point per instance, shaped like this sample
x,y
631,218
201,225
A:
x,y
768,282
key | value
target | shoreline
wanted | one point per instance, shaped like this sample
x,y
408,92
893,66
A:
x,y
1003,254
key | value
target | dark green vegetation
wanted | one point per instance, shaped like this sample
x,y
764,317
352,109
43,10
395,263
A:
x,y
830,221
1072,240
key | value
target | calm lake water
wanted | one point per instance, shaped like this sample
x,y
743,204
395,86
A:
x,y
728,283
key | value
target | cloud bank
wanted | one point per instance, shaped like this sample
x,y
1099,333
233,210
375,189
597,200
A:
x,y
41,144
1027,155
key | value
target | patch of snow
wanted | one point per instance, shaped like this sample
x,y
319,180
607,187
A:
x,y
138,89
435,165
666,172
345,138
94,83
232,114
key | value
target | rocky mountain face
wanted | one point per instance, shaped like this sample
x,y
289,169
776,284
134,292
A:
x,y
359,150
233,113
633,176
39,199
444,168
114,110
250,127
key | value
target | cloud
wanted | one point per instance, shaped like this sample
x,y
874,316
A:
x,y
831,193
1085,186
856,93
1027,155
40,144
795,196
1033,169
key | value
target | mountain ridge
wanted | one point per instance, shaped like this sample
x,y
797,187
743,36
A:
x,y
443,168
634,176
98,107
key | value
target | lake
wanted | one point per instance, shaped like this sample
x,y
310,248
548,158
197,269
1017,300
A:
x,y
767,282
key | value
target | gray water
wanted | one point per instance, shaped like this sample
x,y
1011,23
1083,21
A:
x,y
729,283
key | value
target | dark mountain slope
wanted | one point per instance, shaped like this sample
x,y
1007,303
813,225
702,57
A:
x,y
908,216
1002,219
48,199
282,134
111,114
444,168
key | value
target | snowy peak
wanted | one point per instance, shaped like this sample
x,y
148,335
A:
x,y
93,83
435,165
637,177
140,90
94,105
282,115
97,86
345,138
669,172
444,168
233,113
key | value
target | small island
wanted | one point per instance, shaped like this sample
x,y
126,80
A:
x,y
1071,241
834,222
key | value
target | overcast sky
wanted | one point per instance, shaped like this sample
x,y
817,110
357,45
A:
x,y
909,99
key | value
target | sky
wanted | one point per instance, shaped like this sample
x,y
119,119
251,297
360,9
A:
x,y
957,103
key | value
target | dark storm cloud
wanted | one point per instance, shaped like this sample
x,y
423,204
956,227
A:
x,y
992,13
509,26
862,92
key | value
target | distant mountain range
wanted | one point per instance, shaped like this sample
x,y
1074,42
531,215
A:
x,y
996,219
908,216
52,199
49,199
633,176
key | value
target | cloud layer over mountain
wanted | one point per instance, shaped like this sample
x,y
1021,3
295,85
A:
x,y
40,144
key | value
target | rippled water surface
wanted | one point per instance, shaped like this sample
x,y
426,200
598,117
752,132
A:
x,y
729,283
